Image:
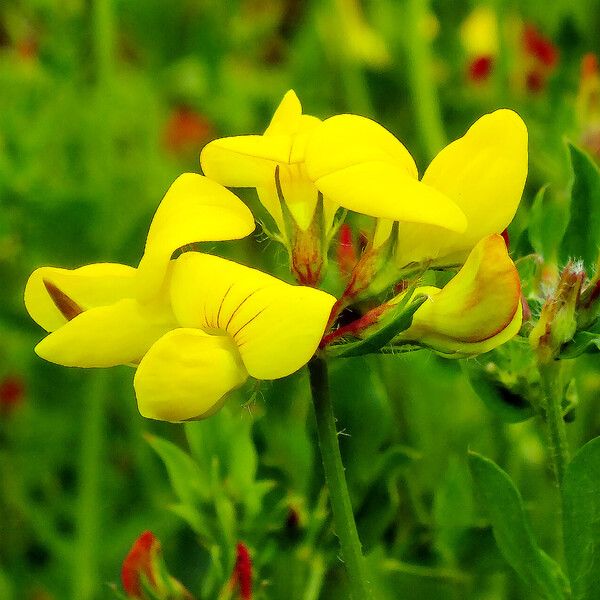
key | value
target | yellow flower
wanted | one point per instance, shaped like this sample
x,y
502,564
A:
x,y
479,176
476,311
247,322
292,139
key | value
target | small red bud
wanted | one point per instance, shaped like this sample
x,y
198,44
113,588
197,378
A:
x,y
242,572
138,562
12,390
534,81
346,253
539,47
480,68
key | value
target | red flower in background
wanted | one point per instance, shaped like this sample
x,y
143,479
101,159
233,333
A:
x,y
539,47
242,572
543,58
480,68
12,391
186,130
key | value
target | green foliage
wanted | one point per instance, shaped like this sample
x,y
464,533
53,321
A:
x,y
504,507
581,516
582,237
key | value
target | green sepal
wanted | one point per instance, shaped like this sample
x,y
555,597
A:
x,y
504,506
398,320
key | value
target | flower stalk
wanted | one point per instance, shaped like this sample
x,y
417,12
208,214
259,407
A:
x,y
550,373
343,518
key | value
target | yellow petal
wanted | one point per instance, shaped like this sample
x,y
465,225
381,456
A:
x,y
484,173
347,140
269,198
86,287
106,336
276,326
299,194
383,190
194,209
246,160
186,375
473,311
286,119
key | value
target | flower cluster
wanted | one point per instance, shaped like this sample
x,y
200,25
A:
x,y
196,326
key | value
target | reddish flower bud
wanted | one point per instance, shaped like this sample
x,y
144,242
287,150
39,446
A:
x,y
480,68
12,390
346,253
140,561
242,572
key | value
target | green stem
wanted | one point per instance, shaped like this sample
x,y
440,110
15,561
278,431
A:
x,y
421,81
87,546
550,373
343,517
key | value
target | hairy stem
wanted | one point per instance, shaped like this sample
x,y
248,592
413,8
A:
x,y
335,478
555,424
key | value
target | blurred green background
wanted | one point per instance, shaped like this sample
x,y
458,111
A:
x,y
102,104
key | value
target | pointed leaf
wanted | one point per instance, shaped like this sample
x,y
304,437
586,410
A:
x,y
504,506
582,238
584,342
187,480
581,514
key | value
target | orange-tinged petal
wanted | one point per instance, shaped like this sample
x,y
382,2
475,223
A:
x,y
470,314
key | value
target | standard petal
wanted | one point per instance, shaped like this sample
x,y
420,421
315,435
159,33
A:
x,y
475,307
186,375
347,140
54,295
484,173
246,160
276,326
381,189
106,336
286,118
194,209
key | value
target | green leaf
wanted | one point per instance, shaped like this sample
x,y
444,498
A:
x,y
504,506
399,321
584,342
547,222
581,514
508,405
186,478
582,237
